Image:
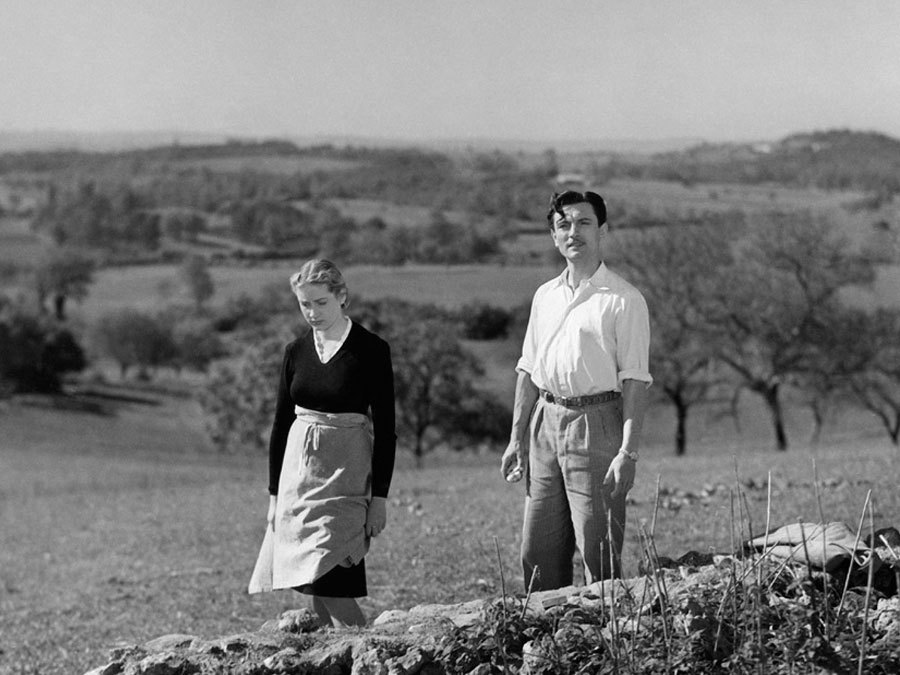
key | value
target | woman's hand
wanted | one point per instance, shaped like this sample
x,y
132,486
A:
x,y
376,516
270,517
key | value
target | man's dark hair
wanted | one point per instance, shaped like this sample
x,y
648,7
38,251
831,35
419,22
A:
x,y
560,199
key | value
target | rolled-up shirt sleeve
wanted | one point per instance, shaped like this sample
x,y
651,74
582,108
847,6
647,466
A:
x,y
633,340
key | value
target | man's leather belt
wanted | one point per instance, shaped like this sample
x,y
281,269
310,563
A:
x,y
579,401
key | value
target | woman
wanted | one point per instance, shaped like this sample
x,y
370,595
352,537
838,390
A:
x,y
330,465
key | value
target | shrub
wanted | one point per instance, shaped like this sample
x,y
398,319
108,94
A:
x,y
239,398
36,351
481,321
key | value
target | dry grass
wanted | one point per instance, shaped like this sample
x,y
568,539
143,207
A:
x,y
123,527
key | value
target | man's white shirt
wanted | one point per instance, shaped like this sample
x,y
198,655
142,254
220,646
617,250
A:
x,y
588,340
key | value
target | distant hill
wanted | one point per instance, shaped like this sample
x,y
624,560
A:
x,y
48,141
834,159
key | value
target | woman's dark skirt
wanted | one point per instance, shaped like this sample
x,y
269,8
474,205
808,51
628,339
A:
x,y
339,582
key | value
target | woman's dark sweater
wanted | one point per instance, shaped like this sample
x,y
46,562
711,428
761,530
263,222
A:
x,y
358,378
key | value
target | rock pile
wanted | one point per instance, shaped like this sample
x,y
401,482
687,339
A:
x,y
687,595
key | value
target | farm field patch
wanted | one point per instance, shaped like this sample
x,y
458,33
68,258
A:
x,y
658,196
269,164
18,244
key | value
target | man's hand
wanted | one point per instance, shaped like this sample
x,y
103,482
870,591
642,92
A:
x,y
621,475
270,516
512,464
376,516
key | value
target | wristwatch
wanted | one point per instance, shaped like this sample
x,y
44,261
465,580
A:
x,y
633,456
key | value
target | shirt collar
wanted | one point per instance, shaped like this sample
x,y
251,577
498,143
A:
x,y
598,279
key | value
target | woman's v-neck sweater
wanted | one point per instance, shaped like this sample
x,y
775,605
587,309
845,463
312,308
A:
x,y
358,378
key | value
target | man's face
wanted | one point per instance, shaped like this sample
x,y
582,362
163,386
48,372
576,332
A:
x,y
576,232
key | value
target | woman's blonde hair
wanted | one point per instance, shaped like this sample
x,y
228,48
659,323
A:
x,y
324,273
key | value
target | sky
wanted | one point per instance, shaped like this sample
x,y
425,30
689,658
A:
x,y
456,69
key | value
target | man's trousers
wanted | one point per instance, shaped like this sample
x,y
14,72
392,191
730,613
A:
x,y
567,504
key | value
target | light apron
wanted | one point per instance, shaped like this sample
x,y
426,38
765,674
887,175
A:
x,y
323,497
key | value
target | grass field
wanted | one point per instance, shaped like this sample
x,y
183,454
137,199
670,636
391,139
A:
x,y
144,286
130,528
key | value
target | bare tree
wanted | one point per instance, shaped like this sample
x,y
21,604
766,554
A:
x,y
678,271
873,374
196,276
63,274
776,302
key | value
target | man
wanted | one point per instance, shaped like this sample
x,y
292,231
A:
x,y
580,399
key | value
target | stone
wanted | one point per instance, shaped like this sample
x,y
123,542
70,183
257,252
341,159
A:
x,y
390,616
533,658
169,642
368,662
336,657
235,643
412,662
111,668
298,621
465,620
547,603
481,669
163,663
284,661
886,615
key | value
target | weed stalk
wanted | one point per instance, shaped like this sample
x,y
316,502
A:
x,y
869,580
862,517
501,644
826,608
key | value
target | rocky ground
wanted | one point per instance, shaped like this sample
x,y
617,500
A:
x,y
698,614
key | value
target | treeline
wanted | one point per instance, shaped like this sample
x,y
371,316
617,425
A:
x,y
57,161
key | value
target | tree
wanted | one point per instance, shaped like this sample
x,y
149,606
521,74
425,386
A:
x,y
663,264
196,344
432,379
775,303
132,338
434,376
868,358
195,275
63,274
183,224
239,397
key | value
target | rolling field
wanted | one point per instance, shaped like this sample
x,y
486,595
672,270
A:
x,y
130,528
144,286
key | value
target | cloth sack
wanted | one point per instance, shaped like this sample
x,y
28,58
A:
x,y
826,546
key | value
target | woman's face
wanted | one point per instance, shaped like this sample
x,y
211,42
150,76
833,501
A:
x,y
320,307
